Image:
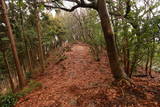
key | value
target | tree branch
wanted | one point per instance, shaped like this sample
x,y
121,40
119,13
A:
x,y
80,3
75,1
63,8
128,8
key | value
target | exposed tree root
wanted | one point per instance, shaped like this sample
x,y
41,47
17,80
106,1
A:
x,y
124,83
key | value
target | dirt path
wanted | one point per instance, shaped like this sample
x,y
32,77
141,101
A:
x,y
80,81
64,83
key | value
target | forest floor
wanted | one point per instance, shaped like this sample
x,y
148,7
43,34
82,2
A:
x,y
80,81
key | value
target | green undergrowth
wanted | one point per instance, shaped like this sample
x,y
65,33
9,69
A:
x,y
10,99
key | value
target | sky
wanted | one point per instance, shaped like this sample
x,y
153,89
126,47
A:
x,y
69,5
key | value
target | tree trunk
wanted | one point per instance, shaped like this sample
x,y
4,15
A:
x,y
25,42
135,56
128,61
117,71
126,55
13,44
147,62
39,37
151,62
9,72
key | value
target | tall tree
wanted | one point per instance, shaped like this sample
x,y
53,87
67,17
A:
x,y
4,45
101,8
38,30
25,39
13,44
117,71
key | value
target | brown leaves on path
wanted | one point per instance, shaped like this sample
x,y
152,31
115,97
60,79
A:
x,y
80,81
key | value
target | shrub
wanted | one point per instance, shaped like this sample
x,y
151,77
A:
x,y
8,100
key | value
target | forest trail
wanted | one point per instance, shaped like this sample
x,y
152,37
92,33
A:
x,y
65,83
80,81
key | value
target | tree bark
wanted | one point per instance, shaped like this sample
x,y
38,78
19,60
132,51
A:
x,y
13,44
116,70
126,53
151,61
147,61
9,72
25,39
39,37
